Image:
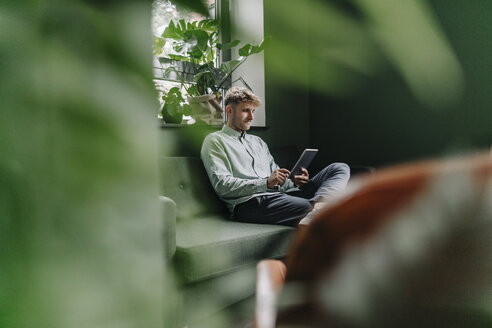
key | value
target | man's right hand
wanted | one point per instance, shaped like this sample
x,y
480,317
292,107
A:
x,y
278,177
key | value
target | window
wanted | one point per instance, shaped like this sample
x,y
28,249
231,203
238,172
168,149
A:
x,y
247,21
163,12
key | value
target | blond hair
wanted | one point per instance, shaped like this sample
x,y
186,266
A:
x,y
236,95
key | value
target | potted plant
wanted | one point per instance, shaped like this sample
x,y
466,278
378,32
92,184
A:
x,y
195,46
174,106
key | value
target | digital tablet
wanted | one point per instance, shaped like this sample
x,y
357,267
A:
x,y
303,162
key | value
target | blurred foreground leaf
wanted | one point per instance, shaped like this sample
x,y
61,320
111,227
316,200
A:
x,y
80,242
334,47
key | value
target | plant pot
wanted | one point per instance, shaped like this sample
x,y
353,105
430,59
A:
x,y
206,108
171,114
206,104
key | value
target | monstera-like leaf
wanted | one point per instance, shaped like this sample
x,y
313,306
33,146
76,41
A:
x,y
196,43
192,41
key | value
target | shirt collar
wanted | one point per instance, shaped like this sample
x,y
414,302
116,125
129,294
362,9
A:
x,y
233,133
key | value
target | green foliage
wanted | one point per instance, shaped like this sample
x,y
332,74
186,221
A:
x,y
198,43
158,45
173,96
193,42
174,106
205,79
80,237
249,49
229,45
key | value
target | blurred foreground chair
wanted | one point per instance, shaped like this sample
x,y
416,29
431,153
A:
x,y
409,246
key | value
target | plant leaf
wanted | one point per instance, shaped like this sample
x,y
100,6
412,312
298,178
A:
x,y
172,109
178,46
209,25
257,49
197,41
186,109
179,57
228,66
158,44
204,80
193,91
168,71
245,50
231,44
202,75
172,32
182,25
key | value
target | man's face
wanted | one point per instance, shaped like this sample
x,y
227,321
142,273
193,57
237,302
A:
x,y
240,117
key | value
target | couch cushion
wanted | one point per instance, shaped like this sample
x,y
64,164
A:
x,y
211,246
212,295
184,180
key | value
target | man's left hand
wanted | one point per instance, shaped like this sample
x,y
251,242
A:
x,y
301,179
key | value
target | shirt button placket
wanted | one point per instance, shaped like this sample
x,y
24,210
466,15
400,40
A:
x,y
250,152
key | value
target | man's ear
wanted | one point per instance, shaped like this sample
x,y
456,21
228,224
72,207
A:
x,y
228,109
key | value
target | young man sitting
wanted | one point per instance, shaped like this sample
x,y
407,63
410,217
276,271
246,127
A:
x,y
246,177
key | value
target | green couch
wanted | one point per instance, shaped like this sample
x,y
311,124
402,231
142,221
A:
x,y
212,256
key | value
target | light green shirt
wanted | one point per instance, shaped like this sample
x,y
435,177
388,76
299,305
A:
x,y
238,166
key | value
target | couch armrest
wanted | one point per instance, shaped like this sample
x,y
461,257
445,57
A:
x,y
168,208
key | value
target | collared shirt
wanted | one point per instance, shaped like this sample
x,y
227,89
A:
x,y
238,166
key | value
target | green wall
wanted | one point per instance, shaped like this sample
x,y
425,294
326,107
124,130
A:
x,y
384,124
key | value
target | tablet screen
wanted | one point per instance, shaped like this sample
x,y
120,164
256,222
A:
x,y
303,161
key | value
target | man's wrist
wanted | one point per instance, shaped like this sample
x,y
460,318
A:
x,y
265,185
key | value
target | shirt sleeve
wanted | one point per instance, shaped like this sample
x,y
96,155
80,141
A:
x,y
219,170
288,185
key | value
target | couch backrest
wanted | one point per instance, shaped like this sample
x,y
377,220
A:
x,y
184,180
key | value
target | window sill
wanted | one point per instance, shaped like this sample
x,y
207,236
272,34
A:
x,y
211,127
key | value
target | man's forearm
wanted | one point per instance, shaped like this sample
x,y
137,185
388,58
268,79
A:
x,y
231,187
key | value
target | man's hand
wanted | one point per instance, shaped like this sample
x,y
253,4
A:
x,y
278,177
301,179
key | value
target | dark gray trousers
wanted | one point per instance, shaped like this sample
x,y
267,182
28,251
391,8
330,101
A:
x,y
290,208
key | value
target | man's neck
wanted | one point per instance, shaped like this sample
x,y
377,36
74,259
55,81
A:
x,y
234,128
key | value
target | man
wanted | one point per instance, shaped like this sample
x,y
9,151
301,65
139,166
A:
x,y
245,176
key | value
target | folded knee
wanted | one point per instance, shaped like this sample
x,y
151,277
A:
x,y
339,168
